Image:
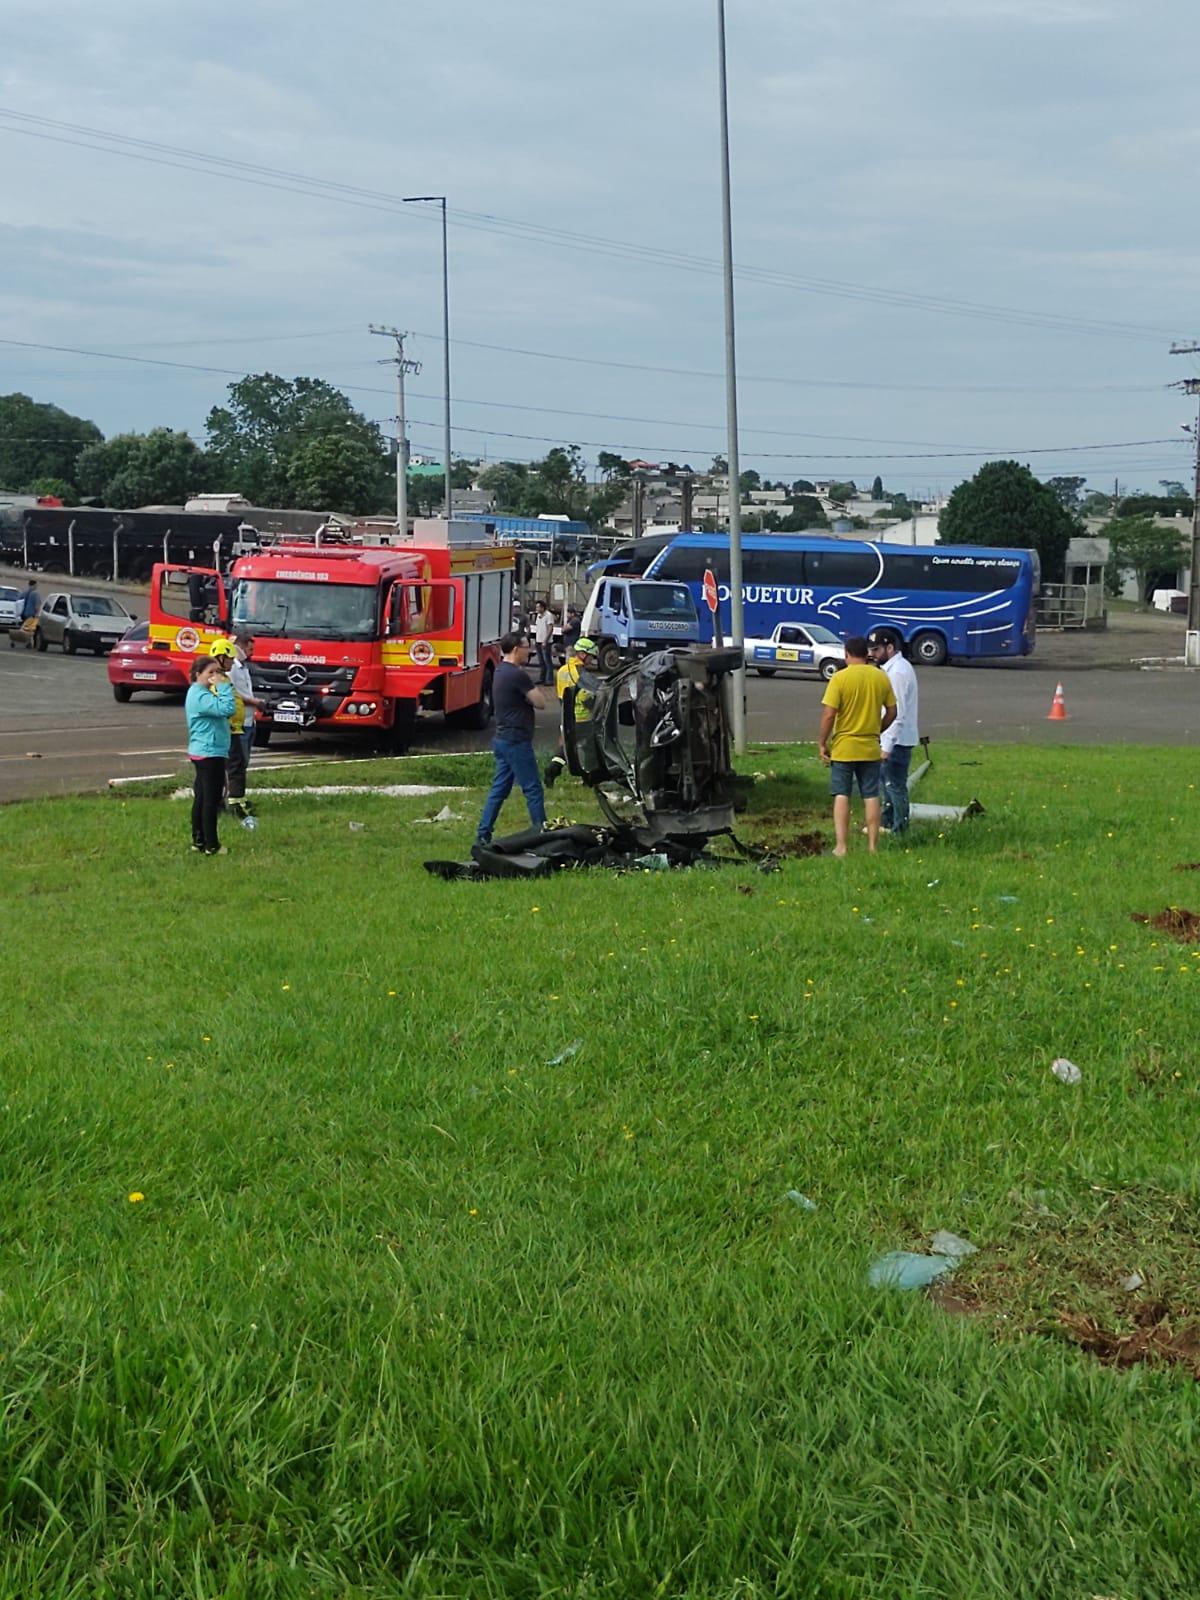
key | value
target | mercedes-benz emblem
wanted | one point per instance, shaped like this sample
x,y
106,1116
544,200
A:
x,y
297,674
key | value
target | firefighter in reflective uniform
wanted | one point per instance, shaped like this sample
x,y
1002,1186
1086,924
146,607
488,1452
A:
x,y
582,658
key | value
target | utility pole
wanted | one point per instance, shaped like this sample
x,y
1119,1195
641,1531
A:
x,y
737,625
402,364
1191,386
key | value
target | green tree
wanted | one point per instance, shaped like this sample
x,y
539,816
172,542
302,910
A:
x,y
337,472
1154,505
505,482
269,420
1068,492
1173,489
877,488
39,441
749,480
161,467
557,485
1147,549
806,513
803,486
842,492
58,487
1005,505
1097,505
612,465
719,465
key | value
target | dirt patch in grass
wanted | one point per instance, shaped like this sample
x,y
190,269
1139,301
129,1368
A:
x,y
1175,921
783,833
1187,866
1156,1336
1115,1273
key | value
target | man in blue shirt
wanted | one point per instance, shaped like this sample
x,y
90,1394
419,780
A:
x,y
516,698
31,602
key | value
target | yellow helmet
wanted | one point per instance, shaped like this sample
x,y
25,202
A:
x,y
222,647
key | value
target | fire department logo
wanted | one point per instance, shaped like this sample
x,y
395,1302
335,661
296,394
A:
x,y
420,652
187,640
297,675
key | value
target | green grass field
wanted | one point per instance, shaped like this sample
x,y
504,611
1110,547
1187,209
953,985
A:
x,y
410,1308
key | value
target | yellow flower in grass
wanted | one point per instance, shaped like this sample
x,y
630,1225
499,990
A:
x,y
136,1198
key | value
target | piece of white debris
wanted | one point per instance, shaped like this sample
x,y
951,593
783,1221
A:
x,y
1066,1071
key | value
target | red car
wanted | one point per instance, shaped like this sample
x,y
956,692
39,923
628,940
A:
x,y
133,666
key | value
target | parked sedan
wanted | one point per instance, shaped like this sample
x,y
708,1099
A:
x,y
10,606
92,621
135,665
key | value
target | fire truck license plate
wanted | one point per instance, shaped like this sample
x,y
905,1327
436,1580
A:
x,y
290,716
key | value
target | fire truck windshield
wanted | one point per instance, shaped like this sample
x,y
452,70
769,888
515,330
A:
x,y
304,610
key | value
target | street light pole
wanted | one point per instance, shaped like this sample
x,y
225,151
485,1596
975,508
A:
x,y
440,199
737,625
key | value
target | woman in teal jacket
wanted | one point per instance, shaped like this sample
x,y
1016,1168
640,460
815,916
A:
x,y
209,706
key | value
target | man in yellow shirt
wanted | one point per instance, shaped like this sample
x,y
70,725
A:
x,y
858,704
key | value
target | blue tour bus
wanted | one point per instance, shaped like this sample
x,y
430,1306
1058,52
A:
x,y
947,601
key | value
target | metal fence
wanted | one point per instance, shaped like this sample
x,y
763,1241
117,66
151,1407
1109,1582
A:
x,y
1071,605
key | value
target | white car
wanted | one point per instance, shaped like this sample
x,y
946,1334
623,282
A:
x,y
797,647
88,621
10,606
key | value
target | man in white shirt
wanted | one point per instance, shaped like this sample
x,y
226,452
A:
x,y
900,739
543,637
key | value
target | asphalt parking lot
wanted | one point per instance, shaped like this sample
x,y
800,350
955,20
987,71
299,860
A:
x,y
61,730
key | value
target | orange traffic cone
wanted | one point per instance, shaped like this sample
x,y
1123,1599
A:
x,y
1058,708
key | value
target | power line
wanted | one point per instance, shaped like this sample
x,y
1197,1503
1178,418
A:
x,y
130,147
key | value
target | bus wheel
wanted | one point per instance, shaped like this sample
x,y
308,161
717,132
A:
x,y
766,672
262,735
930,649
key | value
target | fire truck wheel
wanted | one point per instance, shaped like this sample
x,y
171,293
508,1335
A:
x,y
262,735
403,726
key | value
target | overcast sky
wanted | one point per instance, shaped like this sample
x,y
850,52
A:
x,y
1035,158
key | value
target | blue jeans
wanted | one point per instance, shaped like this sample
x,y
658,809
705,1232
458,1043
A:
x,y
895,787
515,763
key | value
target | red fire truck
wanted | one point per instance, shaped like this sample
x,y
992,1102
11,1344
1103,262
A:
x,y
352,638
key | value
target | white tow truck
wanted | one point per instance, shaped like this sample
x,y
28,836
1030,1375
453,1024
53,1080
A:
x,y
797,647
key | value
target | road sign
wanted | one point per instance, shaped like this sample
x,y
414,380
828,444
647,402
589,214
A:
x,y
710,590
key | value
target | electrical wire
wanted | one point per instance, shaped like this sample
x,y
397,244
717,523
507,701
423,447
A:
x,y
130,147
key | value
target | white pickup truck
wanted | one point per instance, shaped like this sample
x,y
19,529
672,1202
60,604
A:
x,y
797,647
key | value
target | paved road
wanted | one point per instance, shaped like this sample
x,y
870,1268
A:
x,y
61,730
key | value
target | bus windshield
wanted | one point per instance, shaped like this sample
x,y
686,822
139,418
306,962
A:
x,y
661,602
304,610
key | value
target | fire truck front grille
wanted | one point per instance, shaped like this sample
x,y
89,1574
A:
x,y
275,679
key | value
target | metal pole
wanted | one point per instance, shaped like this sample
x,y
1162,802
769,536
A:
x,y
446,355
401,451
1191,647
736,613
1192,641
402,365
440,199
71,547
